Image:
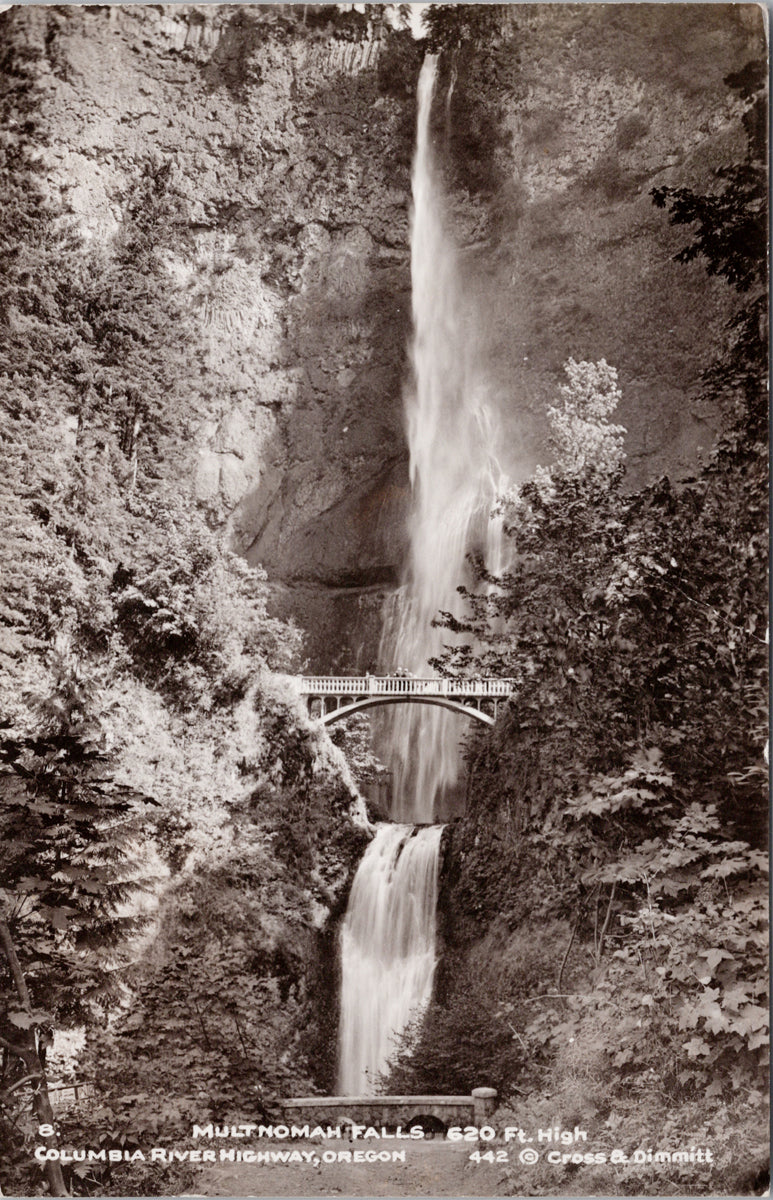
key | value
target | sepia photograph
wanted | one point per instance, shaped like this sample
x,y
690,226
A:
x,y
384,600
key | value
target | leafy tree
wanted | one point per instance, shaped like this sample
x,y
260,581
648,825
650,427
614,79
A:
x,y
449,27
582,436
478,64
457,1046
194,616
730,233
222,1010
700,928
626,776
353,737
384,17
540,622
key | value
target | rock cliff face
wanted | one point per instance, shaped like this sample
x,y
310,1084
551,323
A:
x,y
290,131
601,106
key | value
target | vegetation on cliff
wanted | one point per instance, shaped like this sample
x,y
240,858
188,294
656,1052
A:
x,y
620,803
175,834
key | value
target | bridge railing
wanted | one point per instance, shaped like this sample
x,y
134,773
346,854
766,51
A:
x,y
402,685
479,1107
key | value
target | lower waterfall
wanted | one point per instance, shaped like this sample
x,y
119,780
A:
x,y
387,950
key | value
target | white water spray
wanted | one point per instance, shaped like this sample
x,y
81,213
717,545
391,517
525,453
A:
x,y
387,950
455,478
388,937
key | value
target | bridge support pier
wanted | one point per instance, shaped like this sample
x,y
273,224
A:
x,y
485,1101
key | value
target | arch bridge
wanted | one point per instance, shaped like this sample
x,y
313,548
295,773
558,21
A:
x,y
389,1111
332,698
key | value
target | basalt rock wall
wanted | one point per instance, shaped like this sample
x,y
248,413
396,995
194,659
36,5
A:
x,y
290,130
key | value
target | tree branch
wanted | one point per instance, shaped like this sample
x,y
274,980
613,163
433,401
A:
x,y
20,1083
10,1046
13,962
605,926
30,1056
566,952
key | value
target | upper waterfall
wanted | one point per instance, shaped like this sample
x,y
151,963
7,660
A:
x,y
452,430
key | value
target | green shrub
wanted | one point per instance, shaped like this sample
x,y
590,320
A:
x,y
458,1045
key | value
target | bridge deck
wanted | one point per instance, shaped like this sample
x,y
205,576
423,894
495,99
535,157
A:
x,y
403,685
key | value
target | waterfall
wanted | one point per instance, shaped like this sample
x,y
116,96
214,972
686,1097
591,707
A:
x,y
387,949
452,436
388,937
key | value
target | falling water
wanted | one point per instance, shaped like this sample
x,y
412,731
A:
x,y
455,477
387,950
388,938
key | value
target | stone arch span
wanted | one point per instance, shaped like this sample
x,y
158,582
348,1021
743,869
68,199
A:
x,y
347,710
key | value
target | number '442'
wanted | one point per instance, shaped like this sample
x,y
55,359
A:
x,y
489,1156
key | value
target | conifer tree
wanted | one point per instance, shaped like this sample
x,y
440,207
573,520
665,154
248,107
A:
x,y
71,865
